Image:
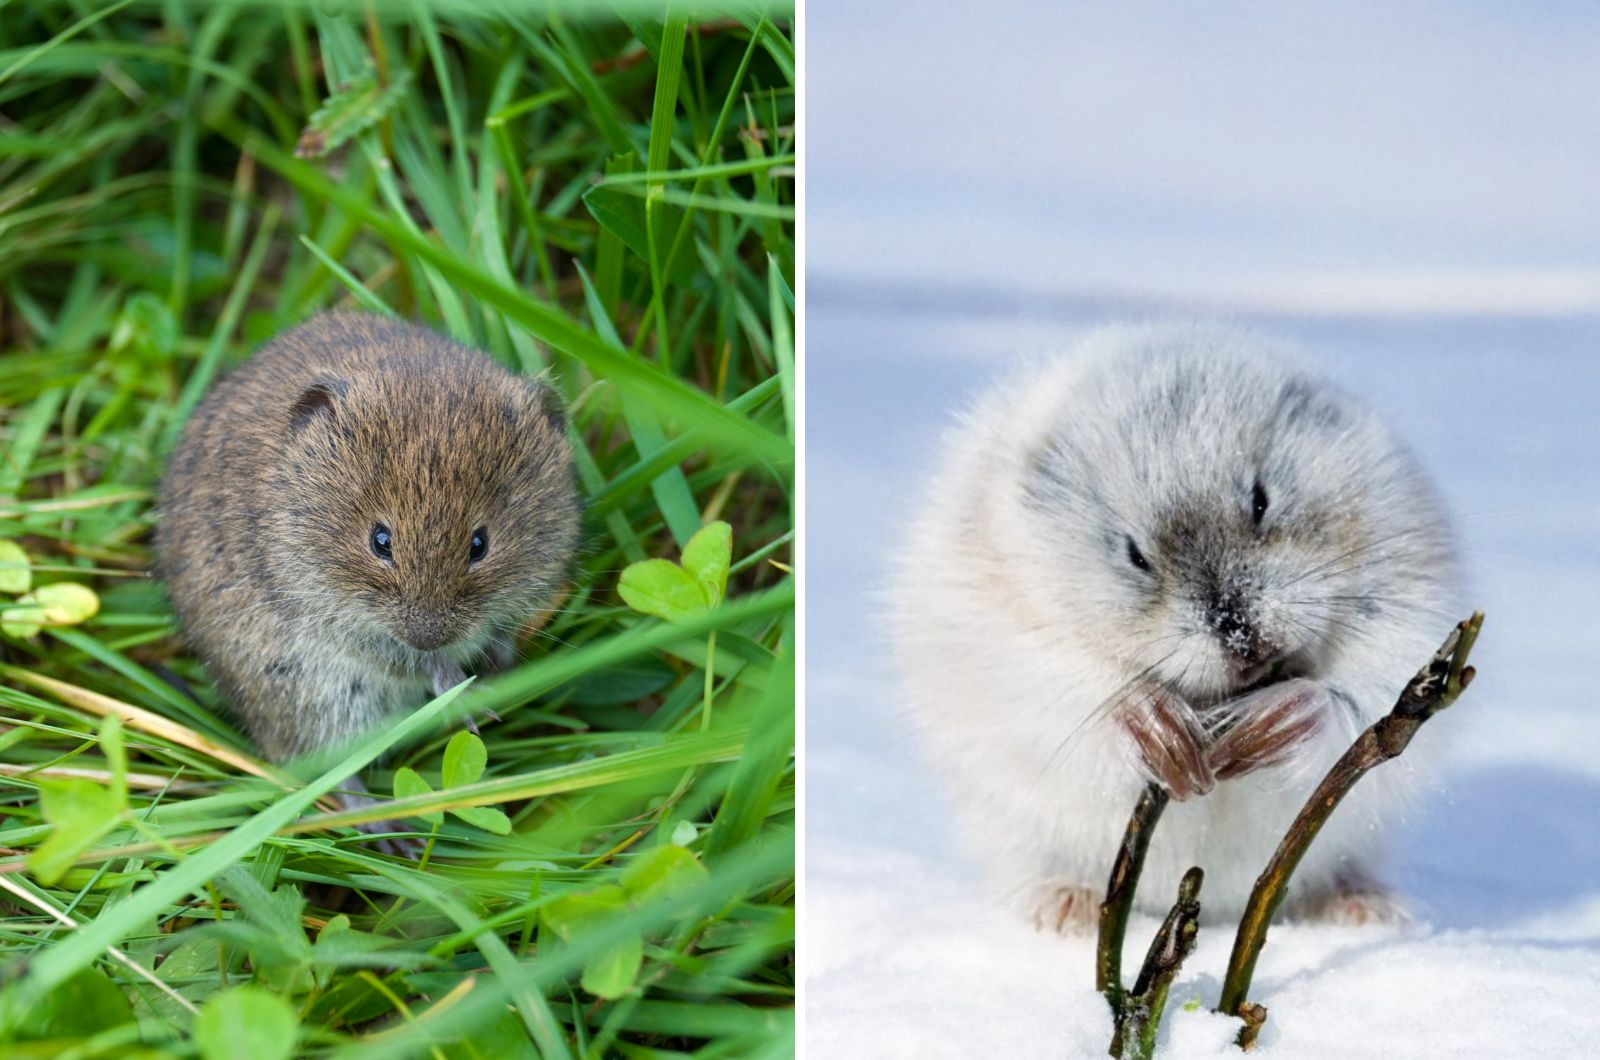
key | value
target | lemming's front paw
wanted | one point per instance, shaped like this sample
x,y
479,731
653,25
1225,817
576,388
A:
x,y
1168,739
1267,727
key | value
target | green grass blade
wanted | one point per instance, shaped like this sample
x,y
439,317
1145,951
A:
x,y
53,966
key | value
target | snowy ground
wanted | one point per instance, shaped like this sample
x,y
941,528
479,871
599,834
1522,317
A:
x,y
906,953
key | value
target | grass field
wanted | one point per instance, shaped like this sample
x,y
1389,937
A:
x,y
607,195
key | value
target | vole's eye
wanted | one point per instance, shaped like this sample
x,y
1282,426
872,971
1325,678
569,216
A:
x,y
480,545
382,544
1136,557
1258,502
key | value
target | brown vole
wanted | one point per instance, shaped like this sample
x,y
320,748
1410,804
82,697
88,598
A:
x,y
1118,550
359,509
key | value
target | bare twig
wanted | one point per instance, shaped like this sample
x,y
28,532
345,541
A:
x,y
1435,687
1254,1016
1119,895
1135,1034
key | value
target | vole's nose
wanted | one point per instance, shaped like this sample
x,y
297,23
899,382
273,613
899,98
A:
x,y
426,630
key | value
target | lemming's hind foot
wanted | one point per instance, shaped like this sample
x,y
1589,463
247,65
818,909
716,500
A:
x,y
1063,908
1353,899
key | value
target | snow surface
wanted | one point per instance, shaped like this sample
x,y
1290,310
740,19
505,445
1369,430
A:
x,y
905,951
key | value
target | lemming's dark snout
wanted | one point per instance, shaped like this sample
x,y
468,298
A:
x,y
1247,649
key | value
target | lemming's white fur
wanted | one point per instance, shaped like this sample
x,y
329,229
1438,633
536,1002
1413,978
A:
x,y
1016,614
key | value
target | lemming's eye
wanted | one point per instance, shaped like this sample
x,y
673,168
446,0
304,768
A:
x,y
1136,557
382,544
480,545
1258,502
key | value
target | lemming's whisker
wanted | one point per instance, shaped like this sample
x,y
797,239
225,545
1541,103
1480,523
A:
x,y
1103,710
1359,550
1351,605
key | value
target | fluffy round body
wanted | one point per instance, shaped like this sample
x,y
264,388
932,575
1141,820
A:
x,y
360,506
1178,512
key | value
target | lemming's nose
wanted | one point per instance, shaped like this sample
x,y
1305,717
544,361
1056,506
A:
x,y
1240,638
1237,634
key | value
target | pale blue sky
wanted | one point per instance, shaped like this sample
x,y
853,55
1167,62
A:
x,y
1352,156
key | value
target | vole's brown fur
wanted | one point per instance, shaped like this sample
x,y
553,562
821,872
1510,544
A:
x,y
270,502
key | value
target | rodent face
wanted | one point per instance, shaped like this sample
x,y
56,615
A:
x,y
1213,520
437,506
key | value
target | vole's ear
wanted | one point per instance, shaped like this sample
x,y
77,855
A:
x,y
317,400
544,402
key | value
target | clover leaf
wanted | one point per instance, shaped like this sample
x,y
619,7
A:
x,y
57,604
15,575
80,812
677,592
662,871
464,760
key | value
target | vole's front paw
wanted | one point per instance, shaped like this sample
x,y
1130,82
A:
x,y
502,655
486,714
398,846
1265,728
446,673
1064,908
354,796
1168,739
